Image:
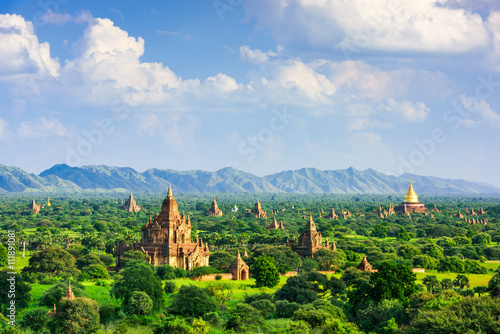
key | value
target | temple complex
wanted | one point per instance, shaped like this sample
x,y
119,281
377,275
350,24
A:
x,y
130,205
310,241
214,210
34,207
332,215
239,268
257,210
166,239
410,203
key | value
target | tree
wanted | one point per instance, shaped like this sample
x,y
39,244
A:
x,y
446,284
245,319
403,235
222,296
376,317
3,256
95,271
139,277
221,260
52,296
79,316
379,231
430,282
35,319
192,301
88,260
393,280
134,256
451,264
433,250
461,281
470,315
296,289
407,251
481,239
139,303
327,259
284,258
265,271
425,261
19,288
494,286
53,261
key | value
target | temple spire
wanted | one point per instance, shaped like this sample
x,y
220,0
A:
x,y
169,192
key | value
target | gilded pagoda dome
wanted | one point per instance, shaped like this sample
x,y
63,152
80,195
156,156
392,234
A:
x,y
411,196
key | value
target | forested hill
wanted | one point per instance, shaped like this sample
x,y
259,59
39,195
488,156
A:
x,y
64,178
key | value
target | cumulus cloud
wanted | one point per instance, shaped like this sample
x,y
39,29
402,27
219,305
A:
x,y
481,109
55,18
412,112
257,56
25,55
377,25
41,128
493,23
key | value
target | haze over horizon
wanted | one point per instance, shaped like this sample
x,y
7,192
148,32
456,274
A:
x,y
261,86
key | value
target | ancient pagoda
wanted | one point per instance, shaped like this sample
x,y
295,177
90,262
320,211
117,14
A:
x,y
239,268
257,210
310,241
365,265
214,210
410,203
34,207
130,205
166,239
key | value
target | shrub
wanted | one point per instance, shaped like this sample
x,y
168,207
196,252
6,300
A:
x,y
169,287
286,309
265,307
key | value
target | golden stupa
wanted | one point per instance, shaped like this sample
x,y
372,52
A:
x,y
411,196
410,203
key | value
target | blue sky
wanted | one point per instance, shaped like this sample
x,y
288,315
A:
x,y
263,86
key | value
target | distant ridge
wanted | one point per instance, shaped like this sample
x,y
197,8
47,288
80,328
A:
x,y
64,178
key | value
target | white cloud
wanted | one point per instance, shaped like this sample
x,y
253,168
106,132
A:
x,y
175,33
55,18
4,130
377,25
479,108
493,23
21,53
41,128
412,112
221,83
257,56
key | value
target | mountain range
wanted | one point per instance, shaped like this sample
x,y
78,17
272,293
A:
x,y
67,179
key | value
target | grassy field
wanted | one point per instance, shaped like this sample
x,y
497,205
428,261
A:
x,y
474,279
491,265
